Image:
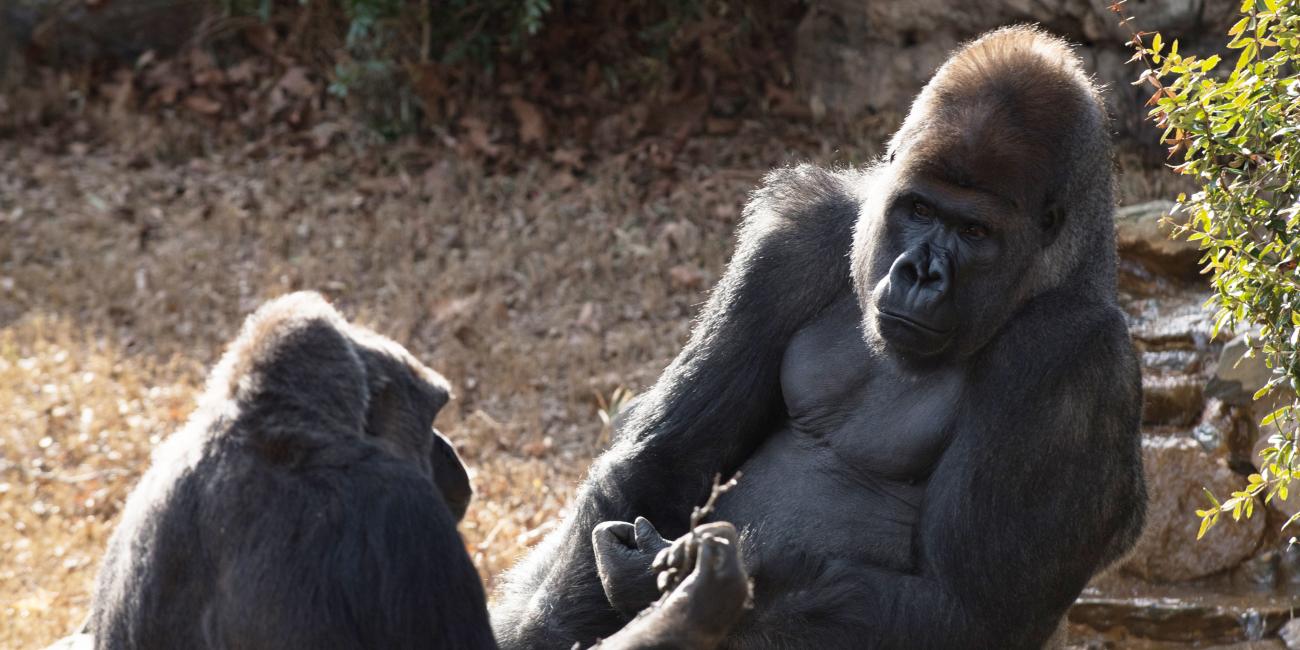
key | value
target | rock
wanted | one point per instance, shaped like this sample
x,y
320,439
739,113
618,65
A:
x,y
1171,399
1172,361
1265,644
1290,634
1176,469
1173,321
1237,377
1143,231
1183,615
855,57
1225,431
1190,619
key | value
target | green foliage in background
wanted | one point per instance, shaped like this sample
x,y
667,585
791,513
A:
x,y
1238,131
473,30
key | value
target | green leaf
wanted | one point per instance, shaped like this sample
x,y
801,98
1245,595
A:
x,y
1206,522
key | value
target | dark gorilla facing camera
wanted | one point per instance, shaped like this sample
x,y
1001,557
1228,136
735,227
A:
x,y
922,371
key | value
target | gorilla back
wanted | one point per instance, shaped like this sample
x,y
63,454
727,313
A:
x,y
308,503
922,372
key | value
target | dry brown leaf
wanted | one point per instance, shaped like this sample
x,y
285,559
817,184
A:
x,y
476,132
686,276
202,104
532,126
295,82
570,157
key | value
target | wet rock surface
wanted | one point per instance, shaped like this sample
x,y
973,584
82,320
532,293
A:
x,y
1177,469
1143,231
1170,614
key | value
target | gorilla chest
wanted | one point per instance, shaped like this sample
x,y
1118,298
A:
x,y
861,409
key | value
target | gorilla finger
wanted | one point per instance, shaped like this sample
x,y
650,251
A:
x,y
609,533
666,580
648,538
720,529
672,556
709,557
684,551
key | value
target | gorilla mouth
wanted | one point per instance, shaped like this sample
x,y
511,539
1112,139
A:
x,y
916,324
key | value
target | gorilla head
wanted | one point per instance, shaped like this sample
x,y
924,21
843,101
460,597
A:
x,y
298,348
984,198
307,503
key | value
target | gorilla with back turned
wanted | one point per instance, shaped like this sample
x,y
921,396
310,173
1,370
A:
x,y
921,370
307,503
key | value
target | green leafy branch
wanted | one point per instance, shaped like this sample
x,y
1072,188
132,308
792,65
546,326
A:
x,y
1238,133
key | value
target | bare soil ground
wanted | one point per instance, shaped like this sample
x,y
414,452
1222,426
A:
x,y
127,263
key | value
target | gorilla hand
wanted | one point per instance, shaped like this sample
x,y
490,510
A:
x,y
624,555
703,606
673,563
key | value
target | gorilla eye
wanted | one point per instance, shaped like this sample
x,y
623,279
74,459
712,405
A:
x,y
974,231
922,210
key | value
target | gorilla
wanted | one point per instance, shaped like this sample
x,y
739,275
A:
x,y
310,503
921,369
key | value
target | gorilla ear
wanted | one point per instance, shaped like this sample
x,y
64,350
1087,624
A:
x,y
405,396
403,402
450,476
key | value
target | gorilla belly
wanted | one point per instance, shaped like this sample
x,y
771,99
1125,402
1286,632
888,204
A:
x,y
796,498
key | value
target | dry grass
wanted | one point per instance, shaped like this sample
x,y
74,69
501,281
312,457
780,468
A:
x,y
125,265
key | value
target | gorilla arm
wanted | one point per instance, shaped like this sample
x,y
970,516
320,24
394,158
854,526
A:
x,y
708,410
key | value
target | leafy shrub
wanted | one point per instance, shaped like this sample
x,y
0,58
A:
x,y
1238,133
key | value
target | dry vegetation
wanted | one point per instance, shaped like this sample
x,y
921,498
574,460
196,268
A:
x,y
128,259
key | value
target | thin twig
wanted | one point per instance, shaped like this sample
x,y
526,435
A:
x,y
698,513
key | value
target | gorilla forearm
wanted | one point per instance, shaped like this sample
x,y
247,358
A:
x,y
708,410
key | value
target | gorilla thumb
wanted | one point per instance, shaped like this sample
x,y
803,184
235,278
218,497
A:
x,y
648,538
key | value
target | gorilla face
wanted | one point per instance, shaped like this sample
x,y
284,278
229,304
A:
x,y
941,261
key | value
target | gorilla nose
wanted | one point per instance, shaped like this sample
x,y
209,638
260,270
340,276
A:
x,y
922,268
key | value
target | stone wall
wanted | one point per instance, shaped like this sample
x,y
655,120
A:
x,y
854,57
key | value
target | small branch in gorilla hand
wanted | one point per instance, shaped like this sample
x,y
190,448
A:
x,y
698,513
